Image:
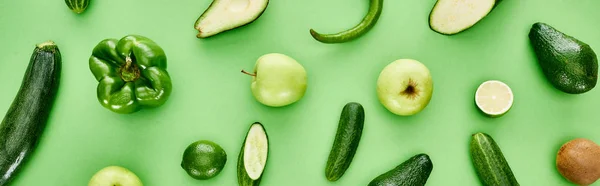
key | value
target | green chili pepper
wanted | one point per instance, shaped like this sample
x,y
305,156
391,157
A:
x,y
132,74
363,27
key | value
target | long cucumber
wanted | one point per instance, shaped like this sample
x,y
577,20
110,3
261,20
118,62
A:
x,y
346,141
490,164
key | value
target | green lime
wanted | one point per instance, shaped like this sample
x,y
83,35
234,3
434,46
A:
x,y
203,159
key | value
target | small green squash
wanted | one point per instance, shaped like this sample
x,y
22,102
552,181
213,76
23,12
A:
x,y
78,6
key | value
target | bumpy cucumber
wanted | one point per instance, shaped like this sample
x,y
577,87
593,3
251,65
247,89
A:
x,y
490,164
77,6
346,141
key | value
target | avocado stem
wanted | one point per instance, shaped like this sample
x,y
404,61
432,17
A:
x,y
247,73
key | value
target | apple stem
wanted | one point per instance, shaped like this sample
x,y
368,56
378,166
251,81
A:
x,y
250,74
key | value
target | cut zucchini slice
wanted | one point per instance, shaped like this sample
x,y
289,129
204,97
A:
x,y
224,15
253,156
454,16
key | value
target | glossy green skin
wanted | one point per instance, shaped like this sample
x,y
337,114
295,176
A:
x,y
346,141
368,22
242,175
118,89
25,120
569,64
203,160
489,162
413,172
77,6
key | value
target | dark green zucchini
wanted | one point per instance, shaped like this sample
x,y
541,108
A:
x,y
490,164
252,159
26,118
412,172
78,6
346,141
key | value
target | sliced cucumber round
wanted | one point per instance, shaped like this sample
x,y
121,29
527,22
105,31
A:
x,y
253,156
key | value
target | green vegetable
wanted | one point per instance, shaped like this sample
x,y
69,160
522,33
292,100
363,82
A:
x,y
451,17
225,15
490,164
346,141
253,156
412,172
132,74
375,8
203,159
25,120
568,63
78,6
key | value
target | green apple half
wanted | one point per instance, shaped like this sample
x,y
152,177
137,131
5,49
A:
x,y
115,176
278,80
405,87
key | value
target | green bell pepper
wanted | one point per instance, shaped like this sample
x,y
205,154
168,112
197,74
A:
x,y
132,74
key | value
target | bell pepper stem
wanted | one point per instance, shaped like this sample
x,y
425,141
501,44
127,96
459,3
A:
x,y
129,72
128,63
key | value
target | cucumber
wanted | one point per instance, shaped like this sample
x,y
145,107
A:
x,y
346,141
253,156
412,172
77,6
28,114
490,164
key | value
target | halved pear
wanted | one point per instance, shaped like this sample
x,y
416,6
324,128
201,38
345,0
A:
x,y
450,17
224,15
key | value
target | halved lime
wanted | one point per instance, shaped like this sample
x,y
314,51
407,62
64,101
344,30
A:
x,y
203,159
494,98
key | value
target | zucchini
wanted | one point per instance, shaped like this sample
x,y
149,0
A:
x,y
490,164
412,172
253,156
346,141
28,114
450,17
77,6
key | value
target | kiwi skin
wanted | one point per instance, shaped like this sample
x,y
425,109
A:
x,y
579,161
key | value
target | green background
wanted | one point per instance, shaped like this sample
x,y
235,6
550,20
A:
x,y
211,99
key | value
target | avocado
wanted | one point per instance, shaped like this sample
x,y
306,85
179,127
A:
x,y
412,172
225,15
568,63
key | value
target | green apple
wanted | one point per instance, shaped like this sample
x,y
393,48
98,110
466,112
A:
x,y
405,87
115,175
278,80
